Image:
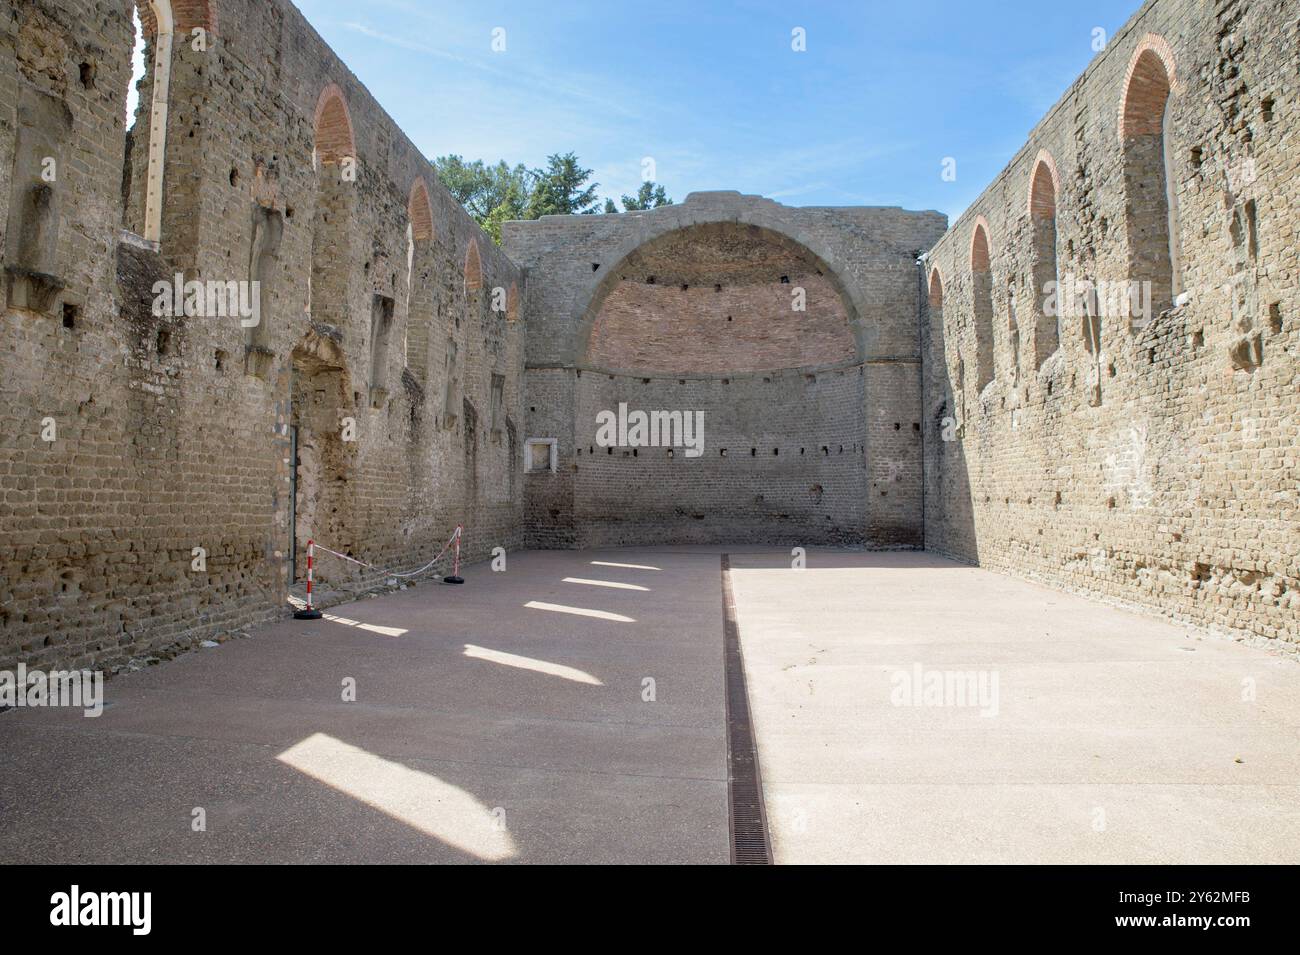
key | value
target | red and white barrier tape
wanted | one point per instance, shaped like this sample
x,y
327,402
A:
x,y
454,539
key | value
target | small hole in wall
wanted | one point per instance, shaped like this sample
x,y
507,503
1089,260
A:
x,y
897,425
1198,338
722,452
650,280
163,342
288,212
1110,503
69,315
595,266
753,452
728,318
234,177
634,452
1275,318
717,288
825,450
1266,109
533,408
609,450
685,287
87,73
785,280
1057,501
670,452
219,360
1151,356
1197,157
1049,387
776,451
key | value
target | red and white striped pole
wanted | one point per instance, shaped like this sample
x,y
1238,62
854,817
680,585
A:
x,y
309,612
455,577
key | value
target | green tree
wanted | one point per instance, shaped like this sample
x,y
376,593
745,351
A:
x,y
499,193
561,189
514,205
651,195
488,193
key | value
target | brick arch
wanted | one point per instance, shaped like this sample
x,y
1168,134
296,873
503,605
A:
x,y
589,303
1150,80
512,303
419,211
982,302
334,140
980,255
473,268
936,288
183,15
1044,187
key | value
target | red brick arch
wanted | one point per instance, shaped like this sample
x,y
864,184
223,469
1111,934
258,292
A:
x,y
980,257
936,288
334,140
186,15
419,212
1044,187
1150,79
473,268
512,303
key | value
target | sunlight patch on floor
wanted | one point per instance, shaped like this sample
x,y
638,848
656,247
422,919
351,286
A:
x,y
420,800
579,611
610,563
613,584
528,663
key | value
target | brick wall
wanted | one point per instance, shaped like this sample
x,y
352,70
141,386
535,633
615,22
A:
x,y
175,432
1154,463
689,308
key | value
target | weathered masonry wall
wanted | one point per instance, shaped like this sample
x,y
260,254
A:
x,y
811,415
1147,459
385,374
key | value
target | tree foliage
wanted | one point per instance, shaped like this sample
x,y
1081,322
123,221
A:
x,y
494,194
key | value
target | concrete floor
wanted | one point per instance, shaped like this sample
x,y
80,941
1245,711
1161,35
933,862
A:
x,y
492,722
1117,738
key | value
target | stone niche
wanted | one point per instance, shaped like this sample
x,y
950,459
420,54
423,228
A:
x,y
31,263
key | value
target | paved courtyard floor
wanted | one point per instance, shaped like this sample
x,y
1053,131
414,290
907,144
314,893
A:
x,y
571,709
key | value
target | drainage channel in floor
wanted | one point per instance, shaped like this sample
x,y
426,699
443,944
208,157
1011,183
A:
x,y
750,844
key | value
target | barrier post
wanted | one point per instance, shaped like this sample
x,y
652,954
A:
x,y
309,612
455,577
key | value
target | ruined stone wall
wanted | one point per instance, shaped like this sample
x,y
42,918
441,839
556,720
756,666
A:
x,y
1150,460
689,308
172,433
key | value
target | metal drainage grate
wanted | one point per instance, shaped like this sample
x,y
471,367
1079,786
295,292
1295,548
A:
x,y
749,838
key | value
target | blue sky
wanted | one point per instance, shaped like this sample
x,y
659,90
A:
x,y
715,95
